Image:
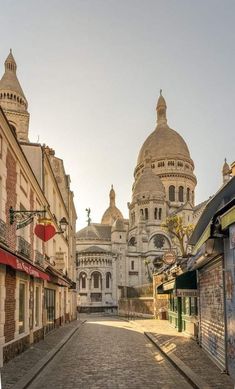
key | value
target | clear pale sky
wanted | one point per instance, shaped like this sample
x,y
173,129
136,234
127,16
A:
x,y
91,71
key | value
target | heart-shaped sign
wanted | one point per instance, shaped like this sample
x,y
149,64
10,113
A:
x,y
44,232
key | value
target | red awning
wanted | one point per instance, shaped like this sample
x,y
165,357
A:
x,y
18,264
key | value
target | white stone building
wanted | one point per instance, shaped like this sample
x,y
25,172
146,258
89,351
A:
x,y
164,184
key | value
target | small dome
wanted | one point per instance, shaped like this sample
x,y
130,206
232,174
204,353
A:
x,y
112,213
148,185
9,81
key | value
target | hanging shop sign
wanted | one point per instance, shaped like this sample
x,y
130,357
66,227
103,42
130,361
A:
x,y
44,230
169,257
24,223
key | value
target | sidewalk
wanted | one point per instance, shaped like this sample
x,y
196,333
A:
x,y
21,370
185,354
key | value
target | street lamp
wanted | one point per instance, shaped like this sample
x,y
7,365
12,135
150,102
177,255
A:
x,y
63,225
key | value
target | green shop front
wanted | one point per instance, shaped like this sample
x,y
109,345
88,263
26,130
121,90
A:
x,y
182,307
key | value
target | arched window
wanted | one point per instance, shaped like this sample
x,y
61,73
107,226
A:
x,y
146,213
108,279
172,193
188,194
83,280
160,213
155,213
96,280
181,194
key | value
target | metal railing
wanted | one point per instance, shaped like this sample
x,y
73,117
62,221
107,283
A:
x,y
2,231
39,257
24,247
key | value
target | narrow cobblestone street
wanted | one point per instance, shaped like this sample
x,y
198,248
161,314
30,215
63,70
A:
x,y
109,353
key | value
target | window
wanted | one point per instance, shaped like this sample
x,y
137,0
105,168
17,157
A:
x,y
188,194
160,213
161,164
133,217
37,306
142,212
155,213
96,280
181,194
83,279
108,277
23,184
0,146
172,193
171,163
1,200
22,298
146,213
132,265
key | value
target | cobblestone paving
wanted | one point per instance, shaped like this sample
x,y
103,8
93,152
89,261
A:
x,y
108,353
19,366
188,351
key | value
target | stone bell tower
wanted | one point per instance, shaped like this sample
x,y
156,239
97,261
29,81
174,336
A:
x,y
13,100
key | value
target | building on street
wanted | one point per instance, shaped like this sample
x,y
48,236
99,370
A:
x,y
37,229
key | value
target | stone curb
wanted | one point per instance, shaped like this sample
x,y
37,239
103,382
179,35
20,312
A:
x,y
189,374
32,374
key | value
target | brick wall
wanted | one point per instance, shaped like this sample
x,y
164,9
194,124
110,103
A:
x,y
10,199
10,304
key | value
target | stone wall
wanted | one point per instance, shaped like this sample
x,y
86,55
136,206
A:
x,y
136,307
15,348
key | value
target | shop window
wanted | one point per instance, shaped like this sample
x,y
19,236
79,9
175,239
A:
x,y
172,193
181,194
175,304
37,306
22,298
50,307
193,305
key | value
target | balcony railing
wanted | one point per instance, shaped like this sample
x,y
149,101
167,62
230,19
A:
x,y
24,247
39,258
2,231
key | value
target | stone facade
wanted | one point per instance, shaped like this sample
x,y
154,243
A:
x,y
164,185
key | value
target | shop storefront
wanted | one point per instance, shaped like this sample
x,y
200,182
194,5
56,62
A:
x,y
182,308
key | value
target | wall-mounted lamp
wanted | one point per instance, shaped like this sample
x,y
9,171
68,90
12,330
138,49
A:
x,y
63,224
